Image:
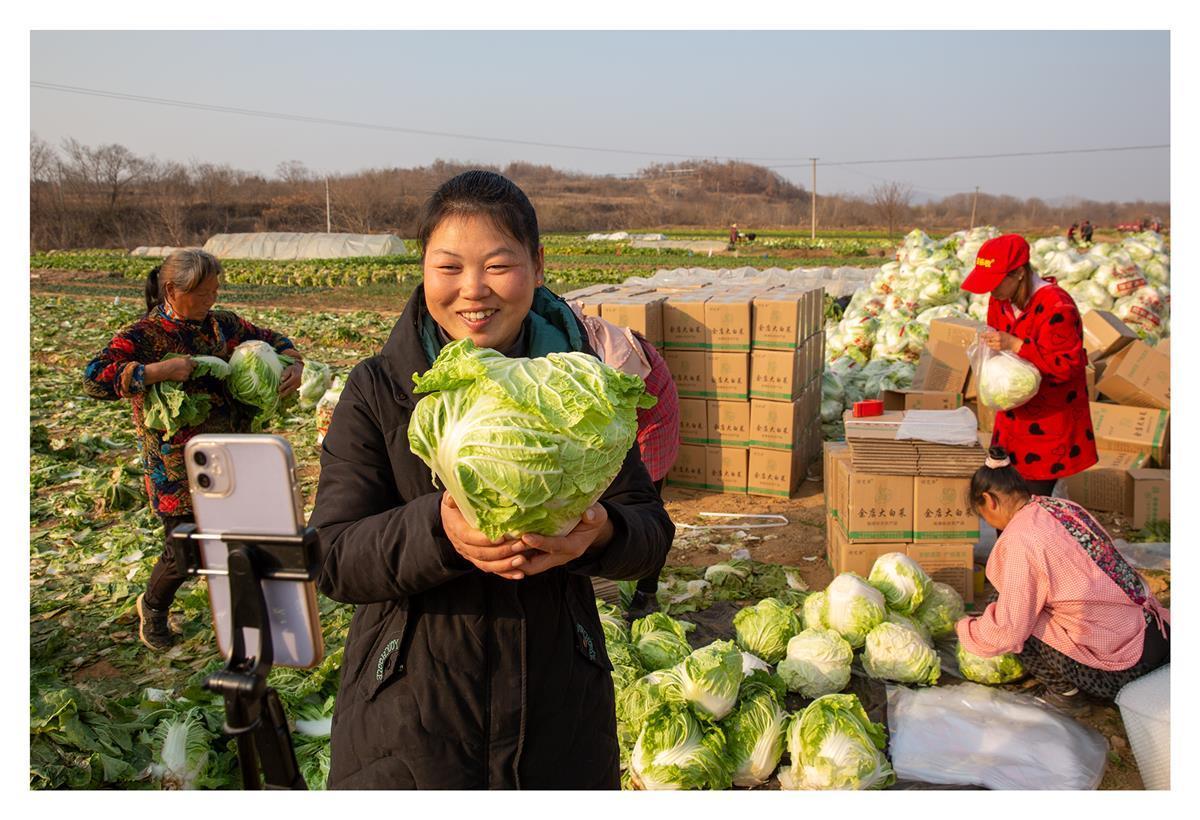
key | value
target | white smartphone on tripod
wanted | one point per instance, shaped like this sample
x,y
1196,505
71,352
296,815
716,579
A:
x,y
246,484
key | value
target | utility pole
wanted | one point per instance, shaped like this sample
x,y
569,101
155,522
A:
x,y
814,197
974,202
328,224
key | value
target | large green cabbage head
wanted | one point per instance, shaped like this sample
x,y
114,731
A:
x,y
853,608
940,610
255,370
817,663
834,745
814,611
901,580
1004,668
524,445
897,653
766,628
314,381
709,679
1007,381
660,641
910,621
754,731
676,751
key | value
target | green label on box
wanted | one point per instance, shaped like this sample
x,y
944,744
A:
x,y
954,535
770,445
764,491
892,535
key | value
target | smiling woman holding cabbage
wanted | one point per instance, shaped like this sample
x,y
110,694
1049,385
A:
x,y
476,472
174,365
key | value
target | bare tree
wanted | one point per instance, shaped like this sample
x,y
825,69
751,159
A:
x,y
293,171
169,201
891,199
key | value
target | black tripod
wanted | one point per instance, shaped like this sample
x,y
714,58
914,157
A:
x,y
253,712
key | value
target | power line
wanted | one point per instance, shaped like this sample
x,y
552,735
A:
x,y
277,115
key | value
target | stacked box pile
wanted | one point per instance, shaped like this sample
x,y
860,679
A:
x,y
869,514
746,358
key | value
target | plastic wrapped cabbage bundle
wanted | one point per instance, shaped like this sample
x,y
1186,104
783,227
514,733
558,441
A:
x,y
1005,379
832,744
1003,668
897,653
817,663
941,610
1089,296
833,397
314,381
901,580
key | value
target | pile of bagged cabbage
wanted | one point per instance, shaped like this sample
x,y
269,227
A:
x,y
715,717
878,340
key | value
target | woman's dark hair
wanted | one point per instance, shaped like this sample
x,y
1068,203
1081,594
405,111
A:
x,y
482,193
997,480
186,269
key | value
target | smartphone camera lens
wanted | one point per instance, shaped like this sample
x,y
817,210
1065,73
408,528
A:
x,y
204,481
200,459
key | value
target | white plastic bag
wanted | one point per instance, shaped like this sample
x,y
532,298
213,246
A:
x,y
1005,379
1146,711
970,734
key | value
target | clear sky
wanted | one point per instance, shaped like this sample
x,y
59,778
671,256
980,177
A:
x,y
783,96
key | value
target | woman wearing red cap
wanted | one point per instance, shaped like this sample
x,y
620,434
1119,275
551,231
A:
x,y
1049,437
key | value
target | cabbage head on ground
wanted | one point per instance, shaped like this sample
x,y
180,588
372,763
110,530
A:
x,y
912,623
524,445
853,608
676,751
659,641
897,653
754,731
901,580
814,608
709,679
832,744
941,610
1004,668
817,663
766,628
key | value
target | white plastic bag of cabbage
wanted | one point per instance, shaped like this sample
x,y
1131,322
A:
x,y
1005,379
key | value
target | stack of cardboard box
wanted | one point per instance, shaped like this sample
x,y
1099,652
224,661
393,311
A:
x,y
928,518
1129,388
747,363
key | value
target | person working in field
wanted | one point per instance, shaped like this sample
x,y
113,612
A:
x,y
1076,614
1049,437
180,320
470,663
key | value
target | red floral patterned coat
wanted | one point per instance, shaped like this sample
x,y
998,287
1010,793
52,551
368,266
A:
x,y
1050,436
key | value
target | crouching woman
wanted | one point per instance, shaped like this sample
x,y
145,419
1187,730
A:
x,y
1076,614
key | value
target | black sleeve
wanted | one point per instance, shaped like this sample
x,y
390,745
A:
x,y
642,530
374,546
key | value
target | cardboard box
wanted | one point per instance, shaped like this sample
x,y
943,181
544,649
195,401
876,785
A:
x,y
942,510
1138,376
776,374
1106,485
1093,393
775,425
781,319
591,304
688,371
729,323
727,376
1105,334
725,469
1150,496
774,472
952,564
835,487
728,423
986,416
876,508
690,467
944,364
847,556
642,313
693,421
922,400
1133,430
683,322
1164,346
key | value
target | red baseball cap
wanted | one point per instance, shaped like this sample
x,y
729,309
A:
x,y
996,259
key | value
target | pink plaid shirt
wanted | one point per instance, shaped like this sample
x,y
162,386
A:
x,y
658,427
1050,588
